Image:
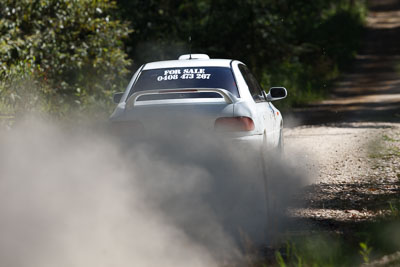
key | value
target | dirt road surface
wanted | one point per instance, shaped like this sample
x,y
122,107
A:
x,y
350,143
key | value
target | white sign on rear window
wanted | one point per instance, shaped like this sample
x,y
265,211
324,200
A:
x,y
184,74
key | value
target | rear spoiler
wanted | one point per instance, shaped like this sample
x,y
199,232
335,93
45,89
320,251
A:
x,y
228,96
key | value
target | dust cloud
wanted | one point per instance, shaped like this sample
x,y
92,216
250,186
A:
x,y
78,196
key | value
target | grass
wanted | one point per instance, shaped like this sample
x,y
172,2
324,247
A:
x,y
386,154
395,209
379,150
389,139
321,250
365,251
366,242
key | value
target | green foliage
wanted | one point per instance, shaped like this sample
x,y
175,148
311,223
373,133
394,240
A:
x,y
394,209
69,53
279,259
397,67
58,55
292,254
16,78
322,38
318,250
338,249
365,251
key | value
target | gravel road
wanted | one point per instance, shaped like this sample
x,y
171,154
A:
x,y
350,143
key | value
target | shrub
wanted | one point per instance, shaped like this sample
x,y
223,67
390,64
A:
x,y
69,53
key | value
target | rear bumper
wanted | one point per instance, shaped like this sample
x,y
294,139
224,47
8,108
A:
x,y
251,141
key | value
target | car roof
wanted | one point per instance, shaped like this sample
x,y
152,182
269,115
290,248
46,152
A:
x,y
188,63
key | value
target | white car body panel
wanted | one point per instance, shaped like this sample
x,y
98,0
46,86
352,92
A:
x,y
188,63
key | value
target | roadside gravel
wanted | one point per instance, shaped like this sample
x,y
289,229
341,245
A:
x,y
347,152
354,169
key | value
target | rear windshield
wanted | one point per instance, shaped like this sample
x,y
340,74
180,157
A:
x,y
188,77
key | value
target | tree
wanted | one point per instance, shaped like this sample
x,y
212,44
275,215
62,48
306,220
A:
x,y
70,50
296,43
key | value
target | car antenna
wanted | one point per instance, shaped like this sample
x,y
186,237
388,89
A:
x,y
190,47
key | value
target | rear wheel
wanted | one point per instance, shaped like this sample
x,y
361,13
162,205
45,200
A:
x,y
270,202
281,143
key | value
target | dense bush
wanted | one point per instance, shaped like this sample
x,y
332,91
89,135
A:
x,y
59,54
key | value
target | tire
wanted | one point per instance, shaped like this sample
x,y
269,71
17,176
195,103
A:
x,y
269,194
274,208
281,143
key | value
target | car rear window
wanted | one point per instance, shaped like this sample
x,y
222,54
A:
x,y
187,77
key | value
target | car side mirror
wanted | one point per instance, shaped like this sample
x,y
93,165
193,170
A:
x,y
117,97
276,93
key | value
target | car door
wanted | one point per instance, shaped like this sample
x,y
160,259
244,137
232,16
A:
x,y
265,112
276,124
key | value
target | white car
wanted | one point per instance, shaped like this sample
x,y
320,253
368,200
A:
x,y
222,91
176,98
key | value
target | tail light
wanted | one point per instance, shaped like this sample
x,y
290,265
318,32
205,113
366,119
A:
x,y
234,124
